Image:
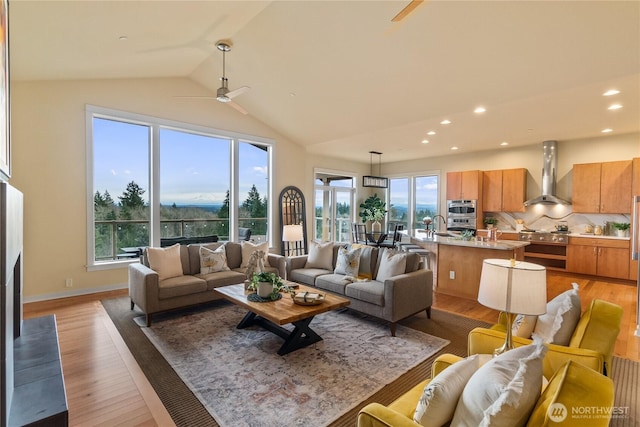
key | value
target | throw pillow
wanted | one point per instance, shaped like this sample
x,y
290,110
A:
x,y
165,261
392,264
504,391
348,262
556,326
365,269
523,325
249,247
440,397
320,256
212,261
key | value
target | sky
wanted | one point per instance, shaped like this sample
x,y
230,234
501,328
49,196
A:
x,y
194,168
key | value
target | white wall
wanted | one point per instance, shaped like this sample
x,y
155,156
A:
x,y
48,141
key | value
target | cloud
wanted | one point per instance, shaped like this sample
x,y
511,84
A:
x,y
113,172
260,169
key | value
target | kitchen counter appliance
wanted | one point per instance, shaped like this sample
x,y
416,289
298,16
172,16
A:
x,y
461,215
546,248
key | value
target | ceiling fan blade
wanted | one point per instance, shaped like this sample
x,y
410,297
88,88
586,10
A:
x,y
236,92
237,107
407,10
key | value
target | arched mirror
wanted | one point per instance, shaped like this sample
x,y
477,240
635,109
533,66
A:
x,y
292,222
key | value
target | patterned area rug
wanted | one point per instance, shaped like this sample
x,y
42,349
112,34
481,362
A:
x,y
240,379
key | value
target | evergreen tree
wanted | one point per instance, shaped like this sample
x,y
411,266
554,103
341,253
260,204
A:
x,y
222,227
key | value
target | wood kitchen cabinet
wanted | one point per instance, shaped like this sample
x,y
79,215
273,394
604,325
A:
x,y
602,187
598,257
635,191
504,190
465,185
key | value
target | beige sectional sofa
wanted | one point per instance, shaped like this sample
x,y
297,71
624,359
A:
x,y
392,299
153,294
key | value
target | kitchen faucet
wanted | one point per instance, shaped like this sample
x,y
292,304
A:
x,y
444,221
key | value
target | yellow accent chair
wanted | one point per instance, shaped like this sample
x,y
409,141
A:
x,y
591,344
574,386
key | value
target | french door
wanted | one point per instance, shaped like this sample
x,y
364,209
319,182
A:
x,y
333,213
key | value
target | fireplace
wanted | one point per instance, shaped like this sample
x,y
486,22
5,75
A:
x,y
11,214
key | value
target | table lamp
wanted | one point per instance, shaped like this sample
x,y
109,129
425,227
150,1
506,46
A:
x,y
292,234
513,287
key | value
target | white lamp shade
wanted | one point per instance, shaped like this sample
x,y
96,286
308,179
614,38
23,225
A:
x,y
513,287
292,233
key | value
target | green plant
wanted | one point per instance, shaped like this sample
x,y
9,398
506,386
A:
x,y
268,277
373,209
491,220
621,225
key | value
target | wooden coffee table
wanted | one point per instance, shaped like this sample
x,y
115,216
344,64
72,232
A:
x,y
272,315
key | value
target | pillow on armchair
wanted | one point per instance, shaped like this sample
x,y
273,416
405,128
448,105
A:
x,y
556,326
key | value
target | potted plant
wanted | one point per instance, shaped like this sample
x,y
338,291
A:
x,y
266,284
373,209
490,222
621,228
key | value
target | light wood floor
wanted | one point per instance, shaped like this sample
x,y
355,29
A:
x,y
105,386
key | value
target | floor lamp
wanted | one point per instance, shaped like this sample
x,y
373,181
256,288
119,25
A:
x,y
513,287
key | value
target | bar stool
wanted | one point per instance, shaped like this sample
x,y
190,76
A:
x,y
406,246
424,254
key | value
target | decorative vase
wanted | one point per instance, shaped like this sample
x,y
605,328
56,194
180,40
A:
x,y
490,226
621,233
265,289
376,227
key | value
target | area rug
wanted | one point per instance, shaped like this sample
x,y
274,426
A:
x,y
242,381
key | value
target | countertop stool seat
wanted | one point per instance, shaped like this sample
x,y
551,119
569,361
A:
x,y
424,254
406,246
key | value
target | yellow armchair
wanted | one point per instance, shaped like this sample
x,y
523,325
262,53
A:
x,y
591,344
571,389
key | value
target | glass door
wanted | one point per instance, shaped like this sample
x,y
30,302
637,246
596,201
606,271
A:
x,y
333,207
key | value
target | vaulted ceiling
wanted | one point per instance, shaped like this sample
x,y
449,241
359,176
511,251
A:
x,y
340,78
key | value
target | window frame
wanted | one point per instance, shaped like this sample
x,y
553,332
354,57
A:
x,y
155,124
411,207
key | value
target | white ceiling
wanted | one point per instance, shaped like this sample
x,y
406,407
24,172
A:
x,y
340,78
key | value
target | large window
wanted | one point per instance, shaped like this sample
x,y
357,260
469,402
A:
x,y
334,200
411,198
151,181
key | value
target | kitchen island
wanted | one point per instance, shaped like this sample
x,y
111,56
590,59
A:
x,y
457,264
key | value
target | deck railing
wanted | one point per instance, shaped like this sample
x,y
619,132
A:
x,y
114,235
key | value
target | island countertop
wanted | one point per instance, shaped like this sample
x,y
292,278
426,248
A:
x,y
419,236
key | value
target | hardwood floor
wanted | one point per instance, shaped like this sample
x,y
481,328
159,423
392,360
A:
x,y
105,386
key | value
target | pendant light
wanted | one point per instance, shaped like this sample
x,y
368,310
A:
x,y
371,180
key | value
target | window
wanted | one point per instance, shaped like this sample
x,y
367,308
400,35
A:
x,y
152,180
334,201
411,198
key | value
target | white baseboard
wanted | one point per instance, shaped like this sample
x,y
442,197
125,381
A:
x,y
75,293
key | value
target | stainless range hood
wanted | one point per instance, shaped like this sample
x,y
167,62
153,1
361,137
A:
x,y
549,170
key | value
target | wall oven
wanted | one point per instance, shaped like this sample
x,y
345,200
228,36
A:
x,y
461,215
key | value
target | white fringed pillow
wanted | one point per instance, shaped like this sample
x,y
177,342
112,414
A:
x,y
165,261
212,261
320,256
556,326
439,398
504,391
523,325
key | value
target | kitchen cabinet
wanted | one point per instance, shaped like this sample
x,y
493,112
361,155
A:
x,y
635,191
599,257
602,187
465,185
504,190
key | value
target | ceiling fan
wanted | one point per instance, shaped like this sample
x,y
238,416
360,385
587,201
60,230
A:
x,y
407,10
223,94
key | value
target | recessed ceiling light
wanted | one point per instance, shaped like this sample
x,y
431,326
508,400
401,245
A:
x,y
425,141
503,143
454,148
123,38
479,110
611,92
615,107
607,130
431,132
445,122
